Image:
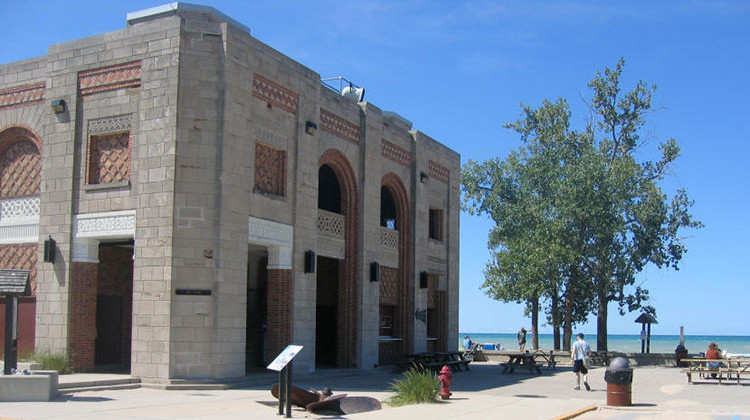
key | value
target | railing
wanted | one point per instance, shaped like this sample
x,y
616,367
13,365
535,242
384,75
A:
x,y
331,234
389,239
19,211
19,220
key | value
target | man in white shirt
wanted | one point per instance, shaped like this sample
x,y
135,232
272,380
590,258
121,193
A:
x,y
580,351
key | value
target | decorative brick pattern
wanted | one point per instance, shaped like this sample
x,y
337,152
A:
x,y
22,95
279,316
83,290
275,94
389,286
20,170
338,126
20,257
270,170
439,172
104,79
396,153
109,158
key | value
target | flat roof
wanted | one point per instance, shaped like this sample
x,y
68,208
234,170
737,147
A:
x,y
176,6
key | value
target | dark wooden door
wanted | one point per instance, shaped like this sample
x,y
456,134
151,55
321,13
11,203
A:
x,y
108,330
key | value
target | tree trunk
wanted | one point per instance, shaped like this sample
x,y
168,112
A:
x,y
535,323
555,323
568,321
601,323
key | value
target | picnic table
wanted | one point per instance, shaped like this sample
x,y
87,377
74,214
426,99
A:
x,y
526,360
436,360
729,367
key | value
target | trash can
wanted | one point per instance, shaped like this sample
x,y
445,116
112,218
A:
x,y
619,378
680,353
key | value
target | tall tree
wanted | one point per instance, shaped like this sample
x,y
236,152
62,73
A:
x,y
576,215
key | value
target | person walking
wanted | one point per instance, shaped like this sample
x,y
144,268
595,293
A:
x,y
521,339
578,355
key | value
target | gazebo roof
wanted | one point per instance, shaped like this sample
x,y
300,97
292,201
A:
x,y
646,319
15,282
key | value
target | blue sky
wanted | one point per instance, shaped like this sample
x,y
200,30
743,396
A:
x,y
459,70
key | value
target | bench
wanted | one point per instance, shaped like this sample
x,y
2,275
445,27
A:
x,y
454,365
729,371
549,358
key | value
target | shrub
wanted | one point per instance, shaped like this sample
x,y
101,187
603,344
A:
x,y
417,386
49,361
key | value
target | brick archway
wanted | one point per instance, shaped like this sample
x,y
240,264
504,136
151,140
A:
x,y
20,178
348,270
405,287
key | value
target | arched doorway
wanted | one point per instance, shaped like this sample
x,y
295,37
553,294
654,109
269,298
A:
x,y
20,180
395,288
336,279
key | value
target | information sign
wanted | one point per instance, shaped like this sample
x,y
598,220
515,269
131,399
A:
x,y
284,357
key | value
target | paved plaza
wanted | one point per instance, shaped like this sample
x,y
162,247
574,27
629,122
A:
x,y
482,393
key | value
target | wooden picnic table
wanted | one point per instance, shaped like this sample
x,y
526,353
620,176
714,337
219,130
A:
x,y
728,366
526,360
436,360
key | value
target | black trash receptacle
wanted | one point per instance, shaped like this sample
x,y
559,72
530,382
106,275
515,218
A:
x,y
680,353
619,378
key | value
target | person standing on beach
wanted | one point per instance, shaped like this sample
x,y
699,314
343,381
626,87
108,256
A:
x,y
578,354
521,338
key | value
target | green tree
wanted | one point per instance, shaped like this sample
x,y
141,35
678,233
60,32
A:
x,y
577,217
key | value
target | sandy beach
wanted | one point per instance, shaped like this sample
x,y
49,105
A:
x,y
483,392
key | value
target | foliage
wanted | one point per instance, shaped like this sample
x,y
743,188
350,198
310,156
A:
x,y
49,361
576,215
417,386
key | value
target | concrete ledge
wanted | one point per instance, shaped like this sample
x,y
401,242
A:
x,y
41,385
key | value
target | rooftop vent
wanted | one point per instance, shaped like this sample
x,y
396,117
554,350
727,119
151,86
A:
x,y
344,88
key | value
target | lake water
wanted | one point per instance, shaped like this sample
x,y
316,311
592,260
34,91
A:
x,y
626,343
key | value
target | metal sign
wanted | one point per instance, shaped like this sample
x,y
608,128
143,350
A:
x,y
284,357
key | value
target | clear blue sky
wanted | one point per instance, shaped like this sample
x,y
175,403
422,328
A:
x,y
459,69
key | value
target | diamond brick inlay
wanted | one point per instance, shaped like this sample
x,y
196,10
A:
x,y
270,170
22,95
275,94
396,153
439,172
110,78
109,158
336,125
389,286
20,170
20,257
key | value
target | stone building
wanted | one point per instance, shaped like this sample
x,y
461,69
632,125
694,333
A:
x,y
208,201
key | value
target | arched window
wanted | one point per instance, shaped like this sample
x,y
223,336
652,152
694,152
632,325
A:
x,y
329,191
20,170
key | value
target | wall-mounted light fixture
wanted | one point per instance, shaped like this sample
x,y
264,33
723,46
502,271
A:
x,y
423,177
374,271
423,280
310,127
309,262
49,250
58,106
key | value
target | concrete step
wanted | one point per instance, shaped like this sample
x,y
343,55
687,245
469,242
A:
x,y
98,385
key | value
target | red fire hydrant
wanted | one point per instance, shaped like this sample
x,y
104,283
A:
x,y
445,382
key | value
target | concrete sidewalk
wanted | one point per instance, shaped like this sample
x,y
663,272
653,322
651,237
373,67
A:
x,y
482,393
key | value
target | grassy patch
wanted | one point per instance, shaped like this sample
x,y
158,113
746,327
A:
x,y
417,386
58,362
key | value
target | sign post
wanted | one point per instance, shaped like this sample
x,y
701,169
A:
x,y
283,364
